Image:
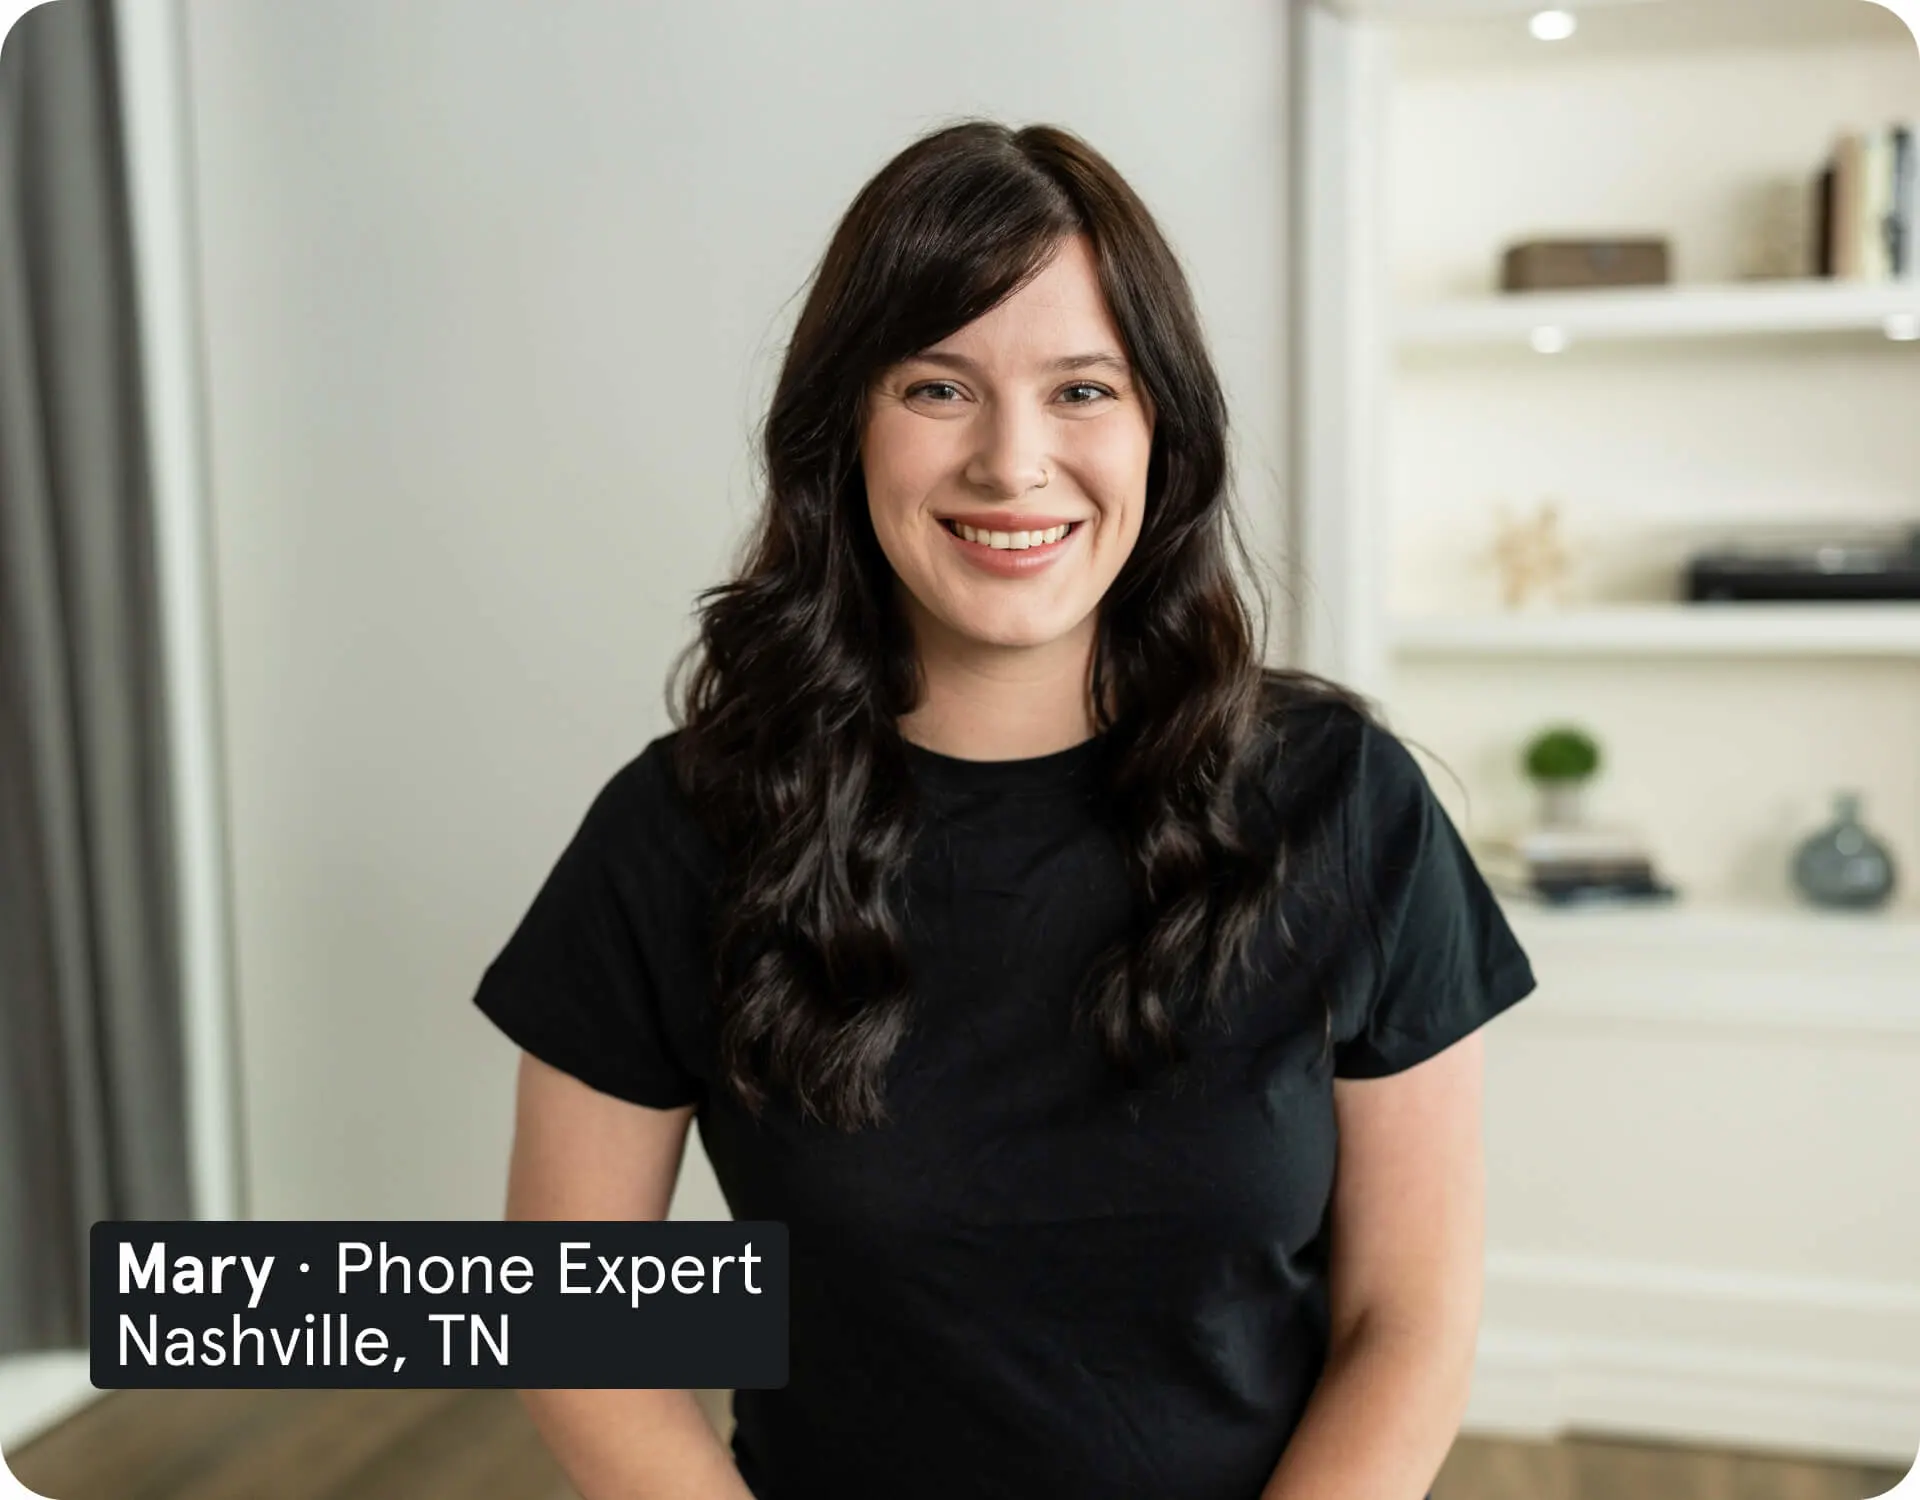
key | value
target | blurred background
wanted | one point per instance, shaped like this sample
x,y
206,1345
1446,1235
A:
x,y
378,385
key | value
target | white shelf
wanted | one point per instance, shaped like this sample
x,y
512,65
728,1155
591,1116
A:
x,y
1763,309
1867,629
1892,931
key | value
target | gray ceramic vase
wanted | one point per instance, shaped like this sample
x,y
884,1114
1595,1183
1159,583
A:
x,y
1843,865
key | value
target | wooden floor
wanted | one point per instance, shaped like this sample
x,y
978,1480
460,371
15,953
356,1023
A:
x,y
480,1445
1584,1468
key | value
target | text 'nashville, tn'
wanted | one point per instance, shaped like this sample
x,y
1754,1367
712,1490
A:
x,y
331,1339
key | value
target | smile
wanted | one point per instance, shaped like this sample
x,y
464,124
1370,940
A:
x,y
1011,541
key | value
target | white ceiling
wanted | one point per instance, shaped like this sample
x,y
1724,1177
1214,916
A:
x,y
1445,33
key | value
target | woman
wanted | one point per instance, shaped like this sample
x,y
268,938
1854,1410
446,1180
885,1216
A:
x,y
1095,1007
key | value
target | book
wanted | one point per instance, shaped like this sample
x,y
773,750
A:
x,y
1632,868
1823,222
1595,893
1849,207
1903,223
1562,865
1551,890
1876,206
1579,842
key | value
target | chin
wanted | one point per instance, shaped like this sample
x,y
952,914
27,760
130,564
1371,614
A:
x,y
1010,634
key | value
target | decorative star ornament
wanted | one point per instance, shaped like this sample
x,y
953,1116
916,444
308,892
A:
x,y
1528,552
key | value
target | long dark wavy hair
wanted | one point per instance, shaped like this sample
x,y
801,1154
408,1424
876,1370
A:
x,y
789,747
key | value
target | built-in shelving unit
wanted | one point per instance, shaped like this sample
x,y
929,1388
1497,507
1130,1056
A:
x,y
1695,1128
1724,402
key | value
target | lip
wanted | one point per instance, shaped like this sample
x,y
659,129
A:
x,y
1009,562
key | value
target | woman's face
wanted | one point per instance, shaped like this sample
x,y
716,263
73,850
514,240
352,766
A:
x,y
1026,421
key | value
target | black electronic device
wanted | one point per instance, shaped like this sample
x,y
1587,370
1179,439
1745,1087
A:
x,y
1829,572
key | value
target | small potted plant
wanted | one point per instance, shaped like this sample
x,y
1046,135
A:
x,y
1560,761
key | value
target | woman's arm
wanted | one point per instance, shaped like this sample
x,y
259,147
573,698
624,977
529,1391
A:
x,y
580,1154
1408,1211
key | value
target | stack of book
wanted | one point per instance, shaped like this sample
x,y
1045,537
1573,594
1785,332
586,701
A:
x,y
1562,866
1866,205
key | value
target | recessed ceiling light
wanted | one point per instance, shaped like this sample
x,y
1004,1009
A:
x,y
1553,25
1549,340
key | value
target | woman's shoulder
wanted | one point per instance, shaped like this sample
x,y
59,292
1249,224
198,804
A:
x,y
1327,744
1312,732
643,809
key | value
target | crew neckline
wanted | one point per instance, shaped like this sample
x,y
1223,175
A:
x,y
1054,771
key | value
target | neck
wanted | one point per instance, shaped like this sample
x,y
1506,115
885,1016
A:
x,y
1002,702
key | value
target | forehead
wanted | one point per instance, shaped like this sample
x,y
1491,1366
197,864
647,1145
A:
x,y
1061,311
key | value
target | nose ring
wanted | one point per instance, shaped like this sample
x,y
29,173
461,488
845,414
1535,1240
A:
x,y
1045,478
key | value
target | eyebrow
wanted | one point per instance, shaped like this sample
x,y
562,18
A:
x,y
1100,358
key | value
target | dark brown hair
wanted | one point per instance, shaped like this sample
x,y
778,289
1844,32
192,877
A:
x,y
789,745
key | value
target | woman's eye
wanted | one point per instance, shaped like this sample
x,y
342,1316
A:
x,y
1092,390
932,389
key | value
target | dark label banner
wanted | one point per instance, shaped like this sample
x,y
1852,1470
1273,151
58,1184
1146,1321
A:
x,y
333,1303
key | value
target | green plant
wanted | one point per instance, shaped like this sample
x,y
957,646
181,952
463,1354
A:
x,y
1562,753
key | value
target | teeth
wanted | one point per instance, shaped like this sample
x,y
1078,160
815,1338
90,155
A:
x,y
1011,540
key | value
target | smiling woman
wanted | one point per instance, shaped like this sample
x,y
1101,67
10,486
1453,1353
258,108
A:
x,y
1035,954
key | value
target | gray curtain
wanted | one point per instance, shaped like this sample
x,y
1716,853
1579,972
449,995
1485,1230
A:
x,y
92,1113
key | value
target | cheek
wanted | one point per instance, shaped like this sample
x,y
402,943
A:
x,y
880,467
900,475
903,459
1122,478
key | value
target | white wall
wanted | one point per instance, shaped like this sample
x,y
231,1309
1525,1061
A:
x,y
494,292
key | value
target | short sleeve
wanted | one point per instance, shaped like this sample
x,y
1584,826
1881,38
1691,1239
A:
x,y
575,984
1449,961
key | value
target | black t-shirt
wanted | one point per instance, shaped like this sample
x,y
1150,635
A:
x,y
1021,1285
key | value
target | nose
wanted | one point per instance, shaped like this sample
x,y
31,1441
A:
x,y
1010,459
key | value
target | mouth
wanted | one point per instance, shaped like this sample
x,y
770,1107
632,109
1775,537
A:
x,y
1012,539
